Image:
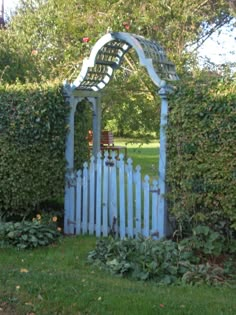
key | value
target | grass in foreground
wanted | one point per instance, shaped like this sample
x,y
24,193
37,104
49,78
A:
x,y
58,280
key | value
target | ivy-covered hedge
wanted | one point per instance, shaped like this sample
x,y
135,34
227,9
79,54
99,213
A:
x,y
32,145
201,150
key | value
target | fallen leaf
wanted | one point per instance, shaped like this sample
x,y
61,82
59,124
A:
x,y
29,303
24,270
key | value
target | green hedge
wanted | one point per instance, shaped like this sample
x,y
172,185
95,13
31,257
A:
x,y
32,145
201,150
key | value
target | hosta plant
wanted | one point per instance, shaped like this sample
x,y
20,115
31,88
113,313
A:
x,y
28,234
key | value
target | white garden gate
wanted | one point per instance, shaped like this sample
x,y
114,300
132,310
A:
x,y
110,198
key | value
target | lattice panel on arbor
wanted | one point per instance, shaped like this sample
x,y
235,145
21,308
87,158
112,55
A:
x,y
107,55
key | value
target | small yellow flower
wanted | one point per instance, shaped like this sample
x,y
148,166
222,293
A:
x,y
54,219
59,229
38,216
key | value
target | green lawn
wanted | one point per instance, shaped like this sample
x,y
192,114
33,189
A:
x,y
145,155
59,281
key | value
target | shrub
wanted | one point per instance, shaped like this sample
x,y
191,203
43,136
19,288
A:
x,y
32,142
201,151
165,261
33,129
29,234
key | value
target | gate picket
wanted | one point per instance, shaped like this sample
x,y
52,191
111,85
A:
x,y
98,195
113,195
129,170
85,199
105,195
121,167
138,200
155,192
92,188
78,201
146,206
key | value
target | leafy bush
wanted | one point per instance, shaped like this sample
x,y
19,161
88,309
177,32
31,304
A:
x,y
163,261
205,242
32,141
201,153
32,145
28,234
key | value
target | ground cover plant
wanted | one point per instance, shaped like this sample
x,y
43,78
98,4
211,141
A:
x,y
29,234
58,280
201,258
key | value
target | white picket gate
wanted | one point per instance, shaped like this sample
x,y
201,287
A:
x,y
110,198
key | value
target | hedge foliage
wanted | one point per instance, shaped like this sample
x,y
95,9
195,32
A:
x,y
32,145
201,150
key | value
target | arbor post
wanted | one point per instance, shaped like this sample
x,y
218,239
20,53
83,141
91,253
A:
x,y
96,103
162,205
69,215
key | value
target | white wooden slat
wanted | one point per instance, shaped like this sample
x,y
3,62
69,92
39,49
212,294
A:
x,y
105,195
78,202
138,200
91,195
113,193
154,191
146,206
121,196
98,194
85,199
129,170
71,216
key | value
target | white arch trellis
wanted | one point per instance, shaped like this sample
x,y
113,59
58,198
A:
x,y
97,71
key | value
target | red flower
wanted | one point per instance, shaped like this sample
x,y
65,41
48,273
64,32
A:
x,y
126,25
85,39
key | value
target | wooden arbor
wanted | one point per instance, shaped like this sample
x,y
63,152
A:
x,y
97,71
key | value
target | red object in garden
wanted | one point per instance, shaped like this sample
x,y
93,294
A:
x,y
85,39
126,25
34,52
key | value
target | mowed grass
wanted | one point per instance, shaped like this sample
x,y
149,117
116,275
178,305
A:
x,y
58,280
145,155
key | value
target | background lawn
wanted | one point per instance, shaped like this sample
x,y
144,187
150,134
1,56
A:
x,y
58,280
145,155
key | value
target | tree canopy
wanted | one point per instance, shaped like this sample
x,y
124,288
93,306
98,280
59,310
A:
x,y
53,36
